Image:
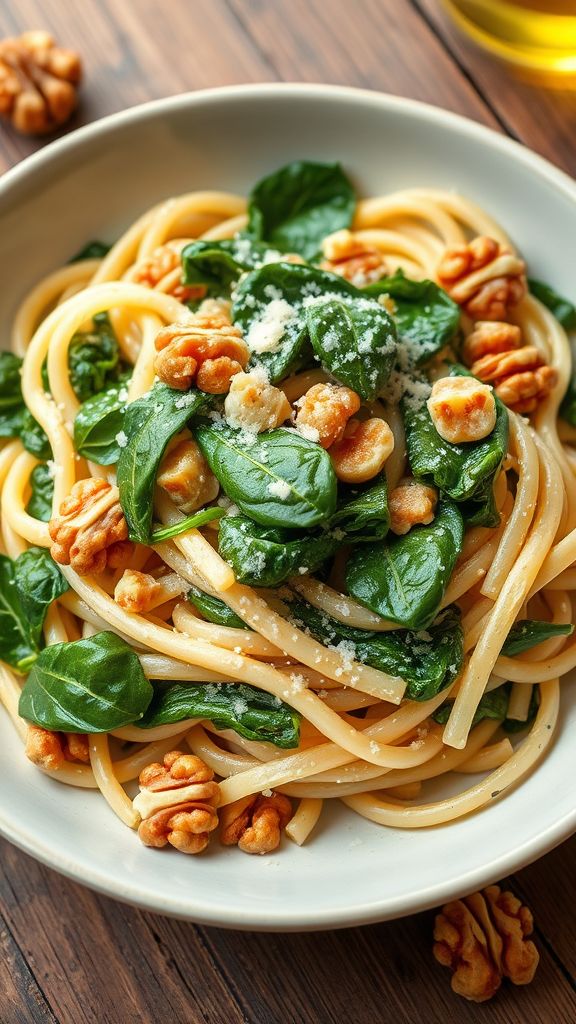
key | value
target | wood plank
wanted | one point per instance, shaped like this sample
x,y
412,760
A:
x,y
549,888
367,43
21,1000
134,52
101,962
543,118
384,972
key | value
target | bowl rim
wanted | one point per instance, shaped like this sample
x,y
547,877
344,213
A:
x,y
197,909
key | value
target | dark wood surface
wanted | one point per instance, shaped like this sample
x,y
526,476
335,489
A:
x,y
72,957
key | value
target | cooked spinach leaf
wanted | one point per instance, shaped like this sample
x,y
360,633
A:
x,y
464,472
214,610
561,308
149,424
11,401
514,725
42,484
492,705
528,633
427,661
278,478
264,556
28,586
363,513
94,359
253,714
90,685
297,206
404,578
355,340
218,265
426,317
33,437
269,307
100,423
91,251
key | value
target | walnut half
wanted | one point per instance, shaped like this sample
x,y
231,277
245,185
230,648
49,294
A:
x,y
177,803
255,823
483,938
90,533
38,82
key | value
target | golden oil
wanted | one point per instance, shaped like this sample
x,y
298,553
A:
x,y
535,34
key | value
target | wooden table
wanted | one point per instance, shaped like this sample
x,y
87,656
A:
x,y
72,957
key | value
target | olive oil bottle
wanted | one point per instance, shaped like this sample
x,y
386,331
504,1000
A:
x,y
535,34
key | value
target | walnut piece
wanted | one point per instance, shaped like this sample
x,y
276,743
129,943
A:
x,y
323,412
186,476
520,377
363,450
253,404
177,802
255,824
206,350
350,257
140,592
38,82
462,409
484,277
51,750
91,533
482,938
411,503
488,338
163,270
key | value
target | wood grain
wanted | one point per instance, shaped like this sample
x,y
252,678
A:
x,y
72,957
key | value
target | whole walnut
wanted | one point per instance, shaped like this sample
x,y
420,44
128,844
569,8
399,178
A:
x,y
38,82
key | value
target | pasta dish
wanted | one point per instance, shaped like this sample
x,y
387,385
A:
x,y
288,512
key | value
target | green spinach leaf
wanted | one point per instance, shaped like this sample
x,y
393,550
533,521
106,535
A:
x,y
253,714
492,705
42,484
297,206
214,610
34,438
191,522
218,265
90,685
464,472
99,425
561,308
91,251
363,513
149,424
355,340
94,359
278,478
28,586
514,725
528,633
11,401
427,661
426,317
404,579
264,556
269,307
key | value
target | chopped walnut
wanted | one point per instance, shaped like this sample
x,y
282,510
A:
x,y
206,349
90,533
363,450
253,404
38,82
462,409
520,377
490,337
186,477
411,503
51,750
255,824
485,278
140,592
482,938
350,257
163,270
324,411
177,803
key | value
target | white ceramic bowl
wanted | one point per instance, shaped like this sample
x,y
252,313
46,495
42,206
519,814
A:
x,y
92,184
